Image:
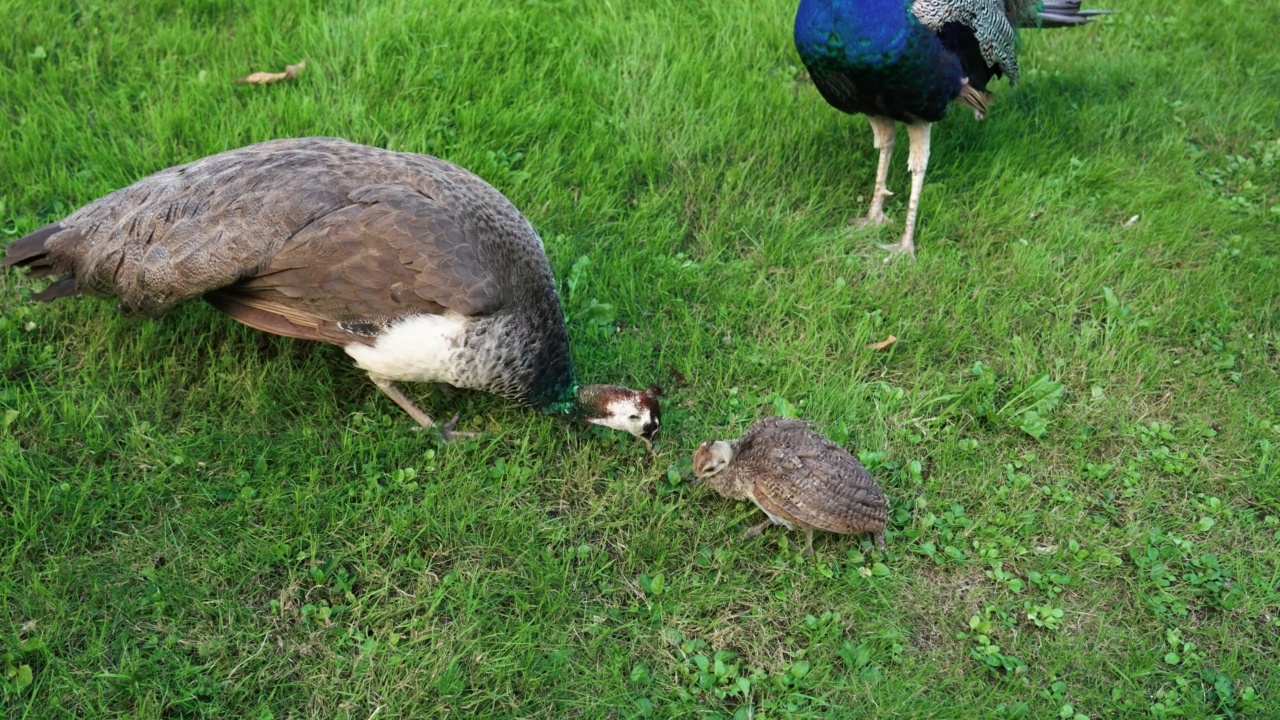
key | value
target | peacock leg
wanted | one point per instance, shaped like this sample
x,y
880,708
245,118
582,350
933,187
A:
x,y
446,431
917,163
884,130
757,529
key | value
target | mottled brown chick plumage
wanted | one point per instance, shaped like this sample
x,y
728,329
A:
x,y
798,477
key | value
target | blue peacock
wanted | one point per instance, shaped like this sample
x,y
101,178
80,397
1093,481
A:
x,y
904,61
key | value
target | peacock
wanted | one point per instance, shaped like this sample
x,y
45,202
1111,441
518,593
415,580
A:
x,y
417,268
907,61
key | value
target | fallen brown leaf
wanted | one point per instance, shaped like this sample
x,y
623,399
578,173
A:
x,y
263,78
883,343
676,375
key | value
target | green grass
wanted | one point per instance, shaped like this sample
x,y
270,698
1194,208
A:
x,y
198,520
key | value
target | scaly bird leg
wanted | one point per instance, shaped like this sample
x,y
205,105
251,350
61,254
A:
x,y
446,431
757,529
917,163
808,546
884,130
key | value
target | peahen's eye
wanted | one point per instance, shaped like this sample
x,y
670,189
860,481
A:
x,y
635,417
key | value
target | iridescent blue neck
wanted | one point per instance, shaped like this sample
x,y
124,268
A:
x,y
861,32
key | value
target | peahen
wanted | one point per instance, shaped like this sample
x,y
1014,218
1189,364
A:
x,y
904,61
420,270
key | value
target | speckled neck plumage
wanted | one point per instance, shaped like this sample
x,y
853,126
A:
x,y
522,354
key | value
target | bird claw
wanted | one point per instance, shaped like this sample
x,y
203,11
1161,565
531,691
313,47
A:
x,y
449,435
871,220
903,248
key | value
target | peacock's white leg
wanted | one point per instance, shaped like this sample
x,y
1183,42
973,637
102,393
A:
x,y
917,163
884,131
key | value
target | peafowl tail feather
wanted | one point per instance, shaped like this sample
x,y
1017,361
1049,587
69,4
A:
x,y
1054,14
975,98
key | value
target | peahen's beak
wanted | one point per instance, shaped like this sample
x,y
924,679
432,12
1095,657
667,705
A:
x,y
649,432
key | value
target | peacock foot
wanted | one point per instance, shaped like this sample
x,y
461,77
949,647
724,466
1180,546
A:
x,y
873,219
906,247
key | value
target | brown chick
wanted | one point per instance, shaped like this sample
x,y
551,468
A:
x,y
798,477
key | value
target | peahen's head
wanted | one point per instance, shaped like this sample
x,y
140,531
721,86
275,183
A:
x,y
631,411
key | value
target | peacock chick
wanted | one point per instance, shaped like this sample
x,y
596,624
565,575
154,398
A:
x,y
418,269
907,61
798,477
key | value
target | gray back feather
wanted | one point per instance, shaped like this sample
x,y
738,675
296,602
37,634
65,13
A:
x,y
188,230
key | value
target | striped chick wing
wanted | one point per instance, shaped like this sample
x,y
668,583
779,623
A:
x,y
804,477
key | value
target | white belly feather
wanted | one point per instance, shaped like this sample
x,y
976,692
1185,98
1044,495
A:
x,y
422,348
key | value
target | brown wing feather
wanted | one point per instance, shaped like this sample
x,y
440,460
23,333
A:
x,y
194,229
281,319
395,252
803,476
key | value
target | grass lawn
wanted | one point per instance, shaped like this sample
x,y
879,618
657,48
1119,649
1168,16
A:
x,y
1078,426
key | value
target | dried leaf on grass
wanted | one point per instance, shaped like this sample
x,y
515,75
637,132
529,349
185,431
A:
x,y
676,376
883,343
264,78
